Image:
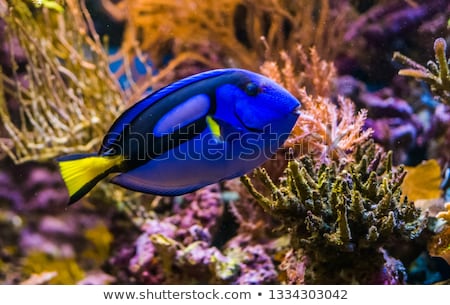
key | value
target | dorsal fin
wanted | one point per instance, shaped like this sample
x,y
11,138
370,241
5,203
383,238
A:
x,y
131,113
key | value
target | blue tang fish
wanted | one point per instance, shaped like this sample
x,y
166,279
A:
x,y
203,129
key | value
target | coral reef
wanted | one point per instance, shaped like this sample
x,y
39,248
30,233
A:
x,y
384,27
232,29
184,240
393,120
342,203
437,74
331,207
68,96
342,212
327,128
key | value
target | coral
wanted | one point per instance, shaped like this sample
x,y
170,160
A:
x,y
54,5
445,214
439,245
423,181
293,267
341,212
328,209
68,271
97,278
302,69
252,221
37,189
184,239
440,134
41,278
383,21
256,266
10,226
99,240
36,226
188,229
69,97
339,195
325,130
395,125
436,74
232,29
384,27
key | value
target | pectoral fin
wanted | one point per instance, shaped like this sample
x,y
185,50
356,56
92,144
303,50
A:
x,y
214,127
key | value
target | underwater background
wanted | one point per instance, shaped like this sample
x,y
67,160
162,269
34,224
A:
x,y
358,194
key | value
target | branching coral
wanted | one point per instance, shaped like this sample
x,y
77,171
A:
x,y
436,74
233,28
339,198
342,212
327,130
69,97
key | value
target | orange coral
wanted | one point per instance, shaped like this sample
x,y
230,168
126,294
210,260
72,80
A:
x,y
326,130
303,70
232,28
445,214
439,245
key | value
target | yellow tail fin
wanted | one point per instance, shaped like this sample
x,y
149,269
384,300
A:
x,y
82,172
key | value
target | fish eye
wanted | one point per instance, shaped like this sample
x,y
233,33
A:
x,y
251,89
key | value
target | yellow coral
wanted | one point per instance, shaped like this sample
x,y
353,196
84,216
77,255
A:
x,y
71,97
68,271
423,181
445,214
100,240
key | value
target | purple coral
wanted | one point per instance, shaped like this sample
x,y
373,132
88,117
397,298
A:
x,y
9,195
256,268
392,273
190,226
33,187
394,123
441,133
183,241
145,249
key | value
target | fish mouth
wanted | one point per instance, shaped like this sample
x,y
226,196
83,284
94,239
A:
x,y
296,111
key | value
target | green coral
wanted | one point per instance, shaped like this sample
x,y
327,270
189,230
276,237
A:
x,y
341,214
436,74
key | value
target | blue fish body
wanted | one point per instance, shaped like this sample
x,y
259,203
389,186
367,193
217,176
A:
x,y
200,130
